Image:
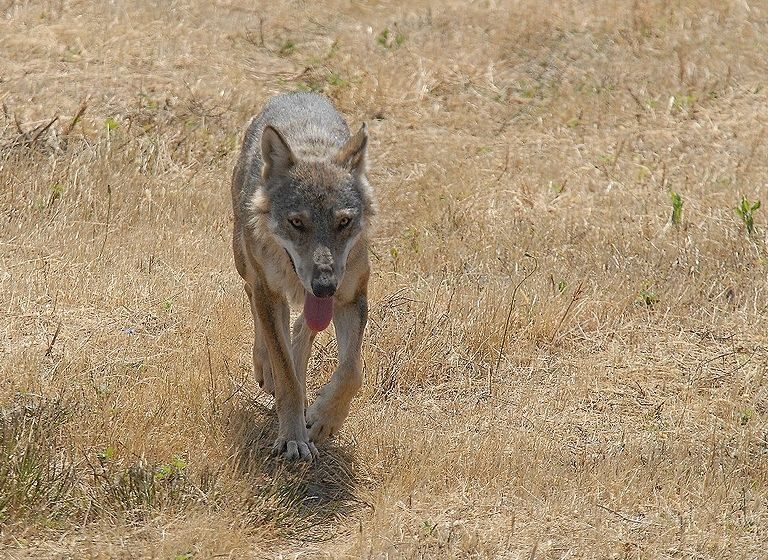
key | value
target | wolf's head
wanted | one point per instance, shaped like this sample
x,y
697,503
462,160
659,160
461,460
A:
x,y
316,208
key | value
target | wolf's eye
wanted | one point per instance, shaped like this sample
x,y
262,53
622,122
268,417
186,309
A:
x,y
296,222
344,222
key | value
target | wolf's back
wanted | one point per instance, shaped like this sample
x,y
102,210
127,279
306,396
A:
x,y
307,121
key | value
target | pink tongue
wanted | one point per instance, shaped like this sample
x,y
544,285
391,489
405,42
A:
x,y
318,312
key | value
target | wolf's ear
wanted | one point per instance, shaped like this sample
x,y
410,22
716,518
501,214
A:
x,y
352,155
277,155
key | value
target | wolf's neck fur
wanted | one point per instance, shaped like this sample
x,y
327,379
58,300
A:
x,y
314,147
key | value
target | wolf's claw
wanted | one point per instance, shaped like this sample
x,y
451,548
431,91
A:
x,y
293,450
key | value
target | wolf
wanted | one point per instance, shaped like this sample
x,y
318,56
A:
x,y
302,212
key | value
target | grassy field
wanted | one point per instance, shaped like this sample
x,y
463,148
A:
x,y
567,353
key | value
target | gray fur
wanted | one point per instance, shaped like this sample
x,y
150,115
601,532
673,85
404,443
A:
x,y
308,122
322,185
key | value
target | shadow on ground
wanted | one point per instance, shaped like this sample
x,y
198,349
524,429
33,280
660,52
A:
x,y
304,499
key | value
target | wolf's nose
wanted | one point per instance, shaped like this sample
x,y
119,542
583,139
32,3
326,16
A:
x,y
324,286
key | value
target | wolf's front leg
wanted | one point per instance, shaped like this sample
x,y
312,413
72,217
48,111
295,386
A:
x,y
301,347
262,368
274,317
331,408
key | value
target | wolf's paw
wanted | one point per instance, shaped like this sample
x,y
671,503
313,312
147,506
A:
x,y
293,450
324,419
263,372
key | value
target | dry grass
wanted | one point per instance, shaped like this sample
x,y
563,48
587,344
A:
x,y
553,368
